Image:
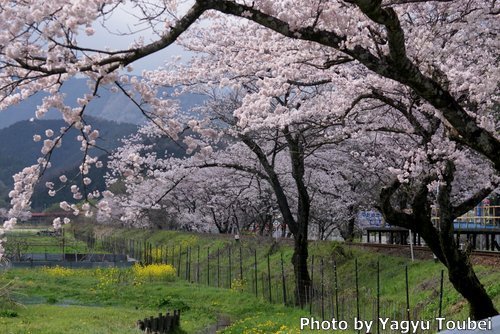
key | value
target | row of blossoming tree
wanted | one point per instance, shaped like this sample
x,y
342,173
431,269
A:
x,y
313,109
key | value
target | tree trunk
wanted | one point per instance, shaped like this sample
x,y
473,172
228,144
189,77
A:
x,y
441,242
348,231
299,261
298,227
283,231
465,281
460,272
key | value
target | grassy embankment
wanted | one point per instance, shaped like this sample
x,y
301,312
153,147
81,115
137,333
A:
x,y
32,239
110,301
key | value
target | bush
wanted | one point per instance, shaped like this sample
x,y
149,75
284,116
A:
x,y
171,303
154,272
8,314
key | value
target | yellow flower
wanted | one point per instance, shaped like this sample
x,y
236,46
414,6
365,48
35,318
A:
x,y
154,272
58,271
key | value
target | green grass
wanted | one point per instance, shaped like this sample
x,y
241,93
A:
x,y
25,241
122,303
56,319
424,276
77,304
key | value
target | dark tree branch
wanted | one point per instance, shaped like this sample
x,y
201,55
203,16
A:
x,y
471,202
396,66
388,211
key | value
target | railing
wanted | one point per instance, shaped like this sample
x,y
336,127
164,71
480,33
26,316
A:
x,y
163,324
486,215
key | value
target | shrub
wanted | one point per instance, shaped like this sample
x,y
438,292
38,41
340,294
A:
x,y
8,314
171,303
51,300
154,272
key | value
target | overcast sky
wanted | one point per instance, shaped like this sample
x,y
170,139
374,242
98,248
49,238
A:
x,y
117,35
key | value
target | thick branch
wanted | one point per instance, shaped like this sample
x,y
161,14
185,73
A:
x,y
309,84
397,66
471,202
115,61
273,181
445,209
395,217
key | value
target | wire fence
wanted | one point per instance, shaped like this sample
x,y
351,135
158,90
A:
x,y
332,294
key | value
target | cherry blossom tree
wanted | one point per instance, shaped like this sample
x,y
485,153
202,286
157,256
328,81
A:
x,y
203,199
284,158
345,188
453,181
439,56
444,52
422,159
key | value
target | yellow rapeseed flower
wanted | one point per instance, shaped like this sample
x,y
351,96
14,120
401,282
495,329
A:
x,y
154,272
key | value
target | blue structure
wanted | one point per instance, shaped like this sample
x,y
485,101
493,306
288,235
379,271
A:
x,y
480,227
370,218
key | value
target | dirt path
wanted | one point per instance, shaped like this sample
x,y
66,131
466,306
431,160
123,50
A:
x,y
223,321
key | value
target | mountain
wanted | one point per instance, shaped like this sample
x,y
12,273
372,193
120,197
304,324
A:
x,y
107,105
18,149
113,114
42,200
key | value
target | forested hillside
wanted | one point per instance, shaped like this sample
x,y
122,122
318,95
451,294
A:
x,y
18,150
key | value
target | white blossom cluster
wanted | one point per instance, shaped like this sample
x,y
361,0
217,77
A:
x,y
329,75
